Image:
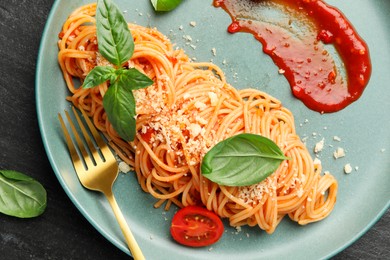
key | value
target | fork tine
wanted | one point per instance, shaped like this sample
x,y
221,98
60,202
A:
x,y
95,154
87,159
107,153
72,149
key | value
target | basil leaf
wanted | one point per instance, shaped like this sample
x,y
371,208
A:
x,y
133,79
119,104
99,75
165,5
242,160
115,41
20,195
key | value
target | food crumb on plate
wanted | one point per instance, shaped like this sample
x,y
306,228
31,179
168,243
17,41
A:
x,y
347,168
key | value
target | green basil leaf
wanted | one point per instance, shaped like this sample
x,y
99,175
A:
x,y
20,195
165,5
242,160
134,79
115,41
119,104
99,75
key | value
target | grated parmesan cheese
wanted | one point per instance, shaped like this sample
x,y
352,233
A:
x,y
195,129
339,153
214,51
319,146
124,167
347,168
200,105
317,161
213,98
336,138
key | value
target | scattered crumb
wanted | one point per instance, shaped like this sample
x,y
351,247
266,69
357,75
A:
x,y
339,153
336,138
124,167
214,51
193,23
347,168
317,161
187,38
238,230
319,146
281,71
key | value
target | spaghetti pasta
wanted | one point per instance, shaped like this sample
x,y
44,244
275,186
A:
x,y
189,108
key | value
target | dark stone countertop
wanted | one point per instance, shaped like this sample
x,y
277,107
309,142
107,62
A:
x,y
62,232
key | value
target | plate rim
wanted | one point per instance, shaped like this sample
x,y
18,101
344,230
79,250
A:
x,y
74,199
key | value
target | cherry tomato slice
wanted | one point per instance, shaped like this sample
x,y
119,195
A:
x,y
195,226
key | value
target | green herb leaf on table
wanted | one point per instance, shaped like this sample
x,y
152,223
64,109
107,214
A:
x,y
165,5
20,195
242,160
119,104
116,43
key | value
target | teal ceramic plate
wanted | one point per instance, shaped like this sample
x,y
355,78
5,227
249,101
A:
x,y
363,127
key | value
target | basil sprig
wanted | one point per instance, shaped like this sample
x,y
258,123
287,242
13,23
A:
x,y
116,44
165,5
20,195
242,160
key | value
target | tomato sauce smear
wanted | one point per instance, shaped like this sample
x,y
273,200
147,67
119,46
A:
x,y
296,39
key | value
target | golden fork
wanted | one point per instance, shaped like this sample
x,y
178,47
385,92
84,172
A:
x,y
99,172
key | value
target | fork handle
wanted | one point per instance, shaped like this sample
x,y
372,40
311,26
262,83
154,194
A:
x,y
131,242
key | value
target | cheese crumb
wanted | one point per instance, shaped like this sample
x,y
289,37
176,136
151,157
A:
x,y
200,105
214,51
336,138
347,168
339,153
238,229
124,167
187,38
317,161
193,23
213,99
195,129
319,146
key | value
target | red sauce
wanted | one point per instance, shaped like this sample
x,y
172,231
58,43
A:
x,y
297,41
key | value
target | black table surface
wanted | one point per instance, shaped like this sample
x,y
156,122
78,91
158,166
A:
x,y
62,232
